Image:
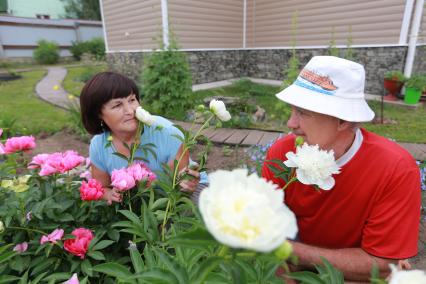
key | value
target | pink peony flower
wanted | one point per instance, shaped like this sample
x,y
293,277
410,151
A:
x,y
122,180
80,244
72,280
56,162
16,144
53,237
22,247
92,190
70,160
38,161
2,151
140,172
87,175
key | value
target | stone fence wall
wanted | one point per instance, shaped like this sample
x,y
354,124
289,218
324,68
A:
x,y
211,66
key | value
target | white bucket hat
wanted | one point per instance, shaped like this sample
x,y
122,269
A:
x,y
331,86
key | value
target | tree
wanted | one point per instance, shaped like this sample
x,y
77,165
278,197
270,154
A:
x,y
82,9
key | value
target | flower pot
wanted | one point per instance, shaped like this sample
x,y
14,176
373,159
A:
x,y
393,87
412,96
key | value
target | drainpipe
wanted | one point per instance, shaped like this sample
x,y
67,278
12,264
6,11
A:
x,y
244,23
415,26
406,22
165,18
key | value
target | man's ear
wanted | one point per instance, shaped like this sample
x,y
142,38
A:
x,y
343,125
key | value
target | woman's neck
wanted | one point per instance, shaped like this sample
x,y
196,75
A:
x,y
127,138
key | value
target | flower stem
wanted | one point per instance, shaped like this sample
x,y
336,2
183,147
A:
x,y
293,179
26,229
163,227
223,250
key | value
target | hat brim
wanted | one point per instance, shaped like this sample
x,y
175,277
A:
x,y
348,109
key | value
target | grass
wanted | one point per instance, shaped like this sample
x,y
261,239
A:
x,y
76,76
406,124
19,102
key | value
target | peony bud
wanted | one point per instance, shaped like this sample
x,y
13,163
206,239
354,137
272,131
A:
x,y
284,251
299,141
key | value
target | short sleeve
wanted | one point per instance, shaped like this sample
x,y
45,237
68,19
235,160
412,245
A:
x,y
95,154
391,231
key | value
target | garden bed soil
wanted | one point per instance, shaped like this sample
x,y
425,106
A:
x,y
220,157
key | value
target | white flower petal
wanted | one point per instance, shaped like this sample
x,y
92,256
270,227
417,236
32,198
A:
x,y
144,116
246,211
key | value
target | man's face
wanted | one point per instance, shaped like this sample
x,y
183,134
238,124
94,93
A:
x,y
314,128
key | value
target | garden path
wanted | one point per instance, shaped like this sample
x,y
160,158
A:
x,y
50,90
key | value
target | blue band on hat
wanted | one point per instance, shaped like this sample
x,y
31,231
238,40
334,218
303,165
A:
x,y
312,87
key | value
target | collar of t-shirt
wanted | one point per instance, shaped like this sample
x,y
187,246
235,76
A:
x,y
343,160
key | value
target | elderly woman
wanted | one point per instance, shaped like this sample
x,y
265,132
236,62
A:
x,y
108,102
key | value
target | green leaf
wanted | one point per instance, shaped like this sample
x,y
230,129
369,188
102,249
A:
x,y
56,276
157,274
8,279
131,216
120,155
86,267
137,261
113,269
39,278
6,256
24,278
174,267
113,235
97,255
198,238
42,265
205,268
103,244
307,277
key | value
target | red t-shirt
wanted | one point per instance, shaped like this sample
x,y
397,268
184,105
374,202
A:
x,y
374,205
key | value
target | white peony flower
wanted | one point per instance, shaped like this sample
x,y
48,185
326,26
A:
x,y
407,276
313,166
219,109
243,211
144,116
1,227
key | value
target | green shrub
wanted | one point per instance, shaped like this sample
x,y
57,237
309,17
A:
x,y
47,52
167,81
417,82
395,76
87,74
96,47
78,48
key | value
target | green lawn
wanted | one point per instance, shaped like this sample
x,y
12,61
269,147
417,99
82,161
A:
x,y
74,81
19,101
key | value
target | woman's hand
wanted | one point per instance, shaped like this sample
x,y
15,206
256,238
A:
x,y
190,183
111,195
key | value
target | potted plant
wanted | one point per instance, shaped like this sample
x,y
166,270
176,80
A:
x,y
393,82
414,87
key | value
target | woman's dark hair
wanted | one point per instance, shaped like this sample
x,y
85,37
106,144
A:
x,y
99,90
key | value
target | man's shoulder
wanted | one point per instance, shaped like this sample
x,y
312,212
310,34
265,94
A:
x,y
385,148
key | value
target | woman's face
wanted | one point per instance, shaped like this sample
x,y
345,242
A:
x,y
119,114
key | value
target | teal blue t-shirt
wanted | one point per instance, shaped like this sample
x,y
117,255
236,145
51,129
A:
x,y
166,147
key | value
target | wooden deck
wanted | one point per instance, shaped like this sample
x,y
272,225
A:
x,y
249,137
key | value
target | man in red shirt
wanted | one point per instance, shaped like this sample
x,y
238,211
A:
x,y
371,216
